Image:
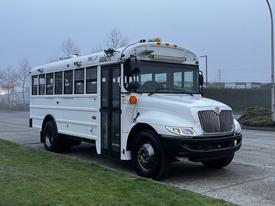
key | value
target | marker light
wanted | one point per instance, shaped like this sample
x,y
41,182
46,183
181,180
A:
x,y
158,41
133,100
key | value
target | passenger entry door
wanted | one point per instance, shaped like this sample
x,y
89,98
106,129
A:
x,y
110,110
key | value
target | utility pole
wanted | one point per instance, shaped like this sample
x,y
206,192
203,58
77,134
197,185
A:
x,y
272,62
206,69
220,75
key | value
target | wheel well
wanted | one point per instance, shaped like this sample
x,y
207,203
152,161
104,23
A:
x,y
47,119
136,129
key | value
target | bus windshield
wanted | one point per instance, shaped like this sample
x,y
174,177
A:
x,y
157,77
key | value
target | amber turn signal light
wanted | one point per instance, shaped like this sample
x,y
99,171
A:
x,y
133,100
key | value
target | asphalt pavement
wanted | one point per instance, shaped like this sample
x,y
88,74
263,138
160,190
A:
x,y
249,180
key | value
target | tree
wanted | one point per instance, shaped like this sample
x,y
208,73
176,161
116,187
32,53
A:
x,y
116,40
23,74
9,78
69,47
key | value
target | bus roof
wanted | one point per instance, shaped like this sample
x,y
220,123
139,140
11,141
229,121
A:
x,y
143,50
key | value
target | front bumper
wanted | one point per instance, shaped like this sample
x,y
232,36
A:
x,y
202,147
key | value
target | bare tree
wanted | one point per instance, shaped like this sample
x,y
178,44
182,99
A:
x,y
69,47
23,73
98,48
116,40
9,78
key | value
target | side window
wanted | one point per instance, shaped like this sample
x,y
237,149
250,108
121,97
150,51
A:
x,y
58,83
68,82
49,84
91,80
79,81
42,84
34,85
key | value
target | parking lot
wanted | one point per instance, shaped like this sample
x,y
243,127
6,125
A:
x,y
249,180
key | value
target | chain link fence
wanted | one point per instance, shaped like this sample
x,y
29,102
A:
x,y
15,100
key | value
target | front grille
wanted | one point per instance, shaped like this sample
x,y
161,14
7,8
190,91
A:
x,y
212,122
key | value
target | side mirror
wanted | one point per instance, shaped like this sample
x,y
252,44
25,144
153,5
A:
x,y
131,67
201,82
133,86
201,79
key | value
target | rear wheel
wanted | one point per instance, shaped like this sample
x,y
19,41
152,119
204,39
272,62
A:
x,y
218,163
148,155
52,141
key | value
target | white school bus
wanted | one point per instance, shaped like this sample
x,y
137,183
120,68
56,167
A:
x,y
141,103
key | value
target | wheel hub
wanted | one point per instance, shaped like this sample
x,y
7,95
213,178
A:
x,y
48,139
146,156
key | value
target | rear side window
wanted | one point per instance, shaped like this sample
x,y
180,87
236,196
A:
x,y
68,82
58,82
42,84
91,80
49,84
79,81
34,85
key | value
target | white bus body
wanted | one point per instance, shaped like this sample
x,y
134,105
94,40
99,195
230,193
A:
x,y
142,102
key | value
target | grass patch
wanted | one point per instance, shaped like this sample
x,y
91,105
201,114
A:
x,y
257,117
34,177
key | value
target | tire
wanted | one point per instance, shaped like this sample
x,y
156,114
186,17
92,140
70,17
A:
x,y
52,141
148,156
218,163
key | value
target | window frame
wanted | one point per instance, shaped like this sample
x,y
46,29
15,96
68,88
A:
x,y
90,80
36,85
71,83
79,81
52,84
39,84
60,84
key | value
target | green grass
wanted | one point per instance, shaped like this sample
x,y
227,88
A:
x,y
257,117
34,177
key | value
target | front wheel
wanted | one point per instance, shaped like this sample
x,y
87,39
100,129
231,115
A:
x,y
218,163
148,155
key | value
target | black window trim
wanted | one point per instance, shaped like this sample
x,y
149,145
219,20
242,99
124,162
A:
x,y
39,85
91,80
52,73
72,82
77,81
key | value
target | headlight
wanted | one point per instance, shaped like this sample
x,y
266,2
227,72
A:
x,y
181,131
238,129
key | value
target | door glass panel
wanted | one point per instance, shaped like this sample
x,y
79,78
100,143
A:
x,y
115,131
116,88
104,129
104,88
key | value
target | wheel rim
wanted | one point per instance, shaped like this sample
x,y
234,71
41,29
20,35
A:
x,y
146,156
48,139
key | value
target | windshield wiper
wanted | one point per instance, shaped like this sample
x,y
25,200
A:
x,y
155,90
159,89
185,91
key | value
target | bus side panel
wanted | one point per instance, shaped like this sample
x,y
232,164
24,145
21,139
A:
x,y
75,115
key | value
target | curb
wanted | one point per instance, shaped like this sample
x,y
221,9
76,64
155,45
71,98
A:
x,y
272,129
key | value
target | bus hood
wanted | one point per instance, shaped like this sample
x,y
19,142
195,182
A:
x,y
174,110
181,101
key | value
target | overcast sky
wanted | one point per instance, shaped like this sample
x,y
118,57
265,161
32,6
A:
x,y
235,34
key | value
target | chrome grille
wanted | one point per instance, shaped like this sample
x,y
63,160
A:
x,y
212,122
